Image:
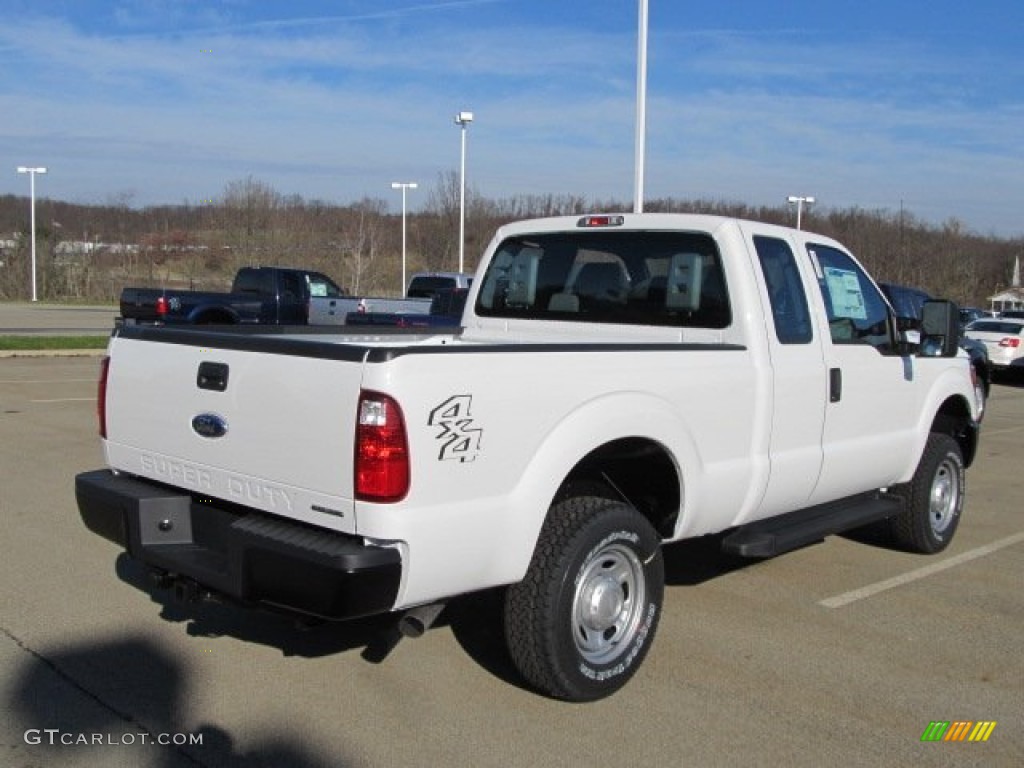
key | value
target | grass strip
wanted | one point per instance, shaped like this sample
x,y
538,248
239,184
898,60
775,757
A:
x,y
25,343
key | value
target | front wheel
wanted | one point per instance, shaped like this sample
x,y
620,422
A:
x,y
933,499
581,621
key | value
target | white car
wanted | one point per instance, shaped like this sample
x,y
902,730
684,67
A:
x,y
1004,340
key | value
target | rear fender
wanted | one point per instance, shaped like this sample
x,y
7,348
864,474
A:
x,y
579,434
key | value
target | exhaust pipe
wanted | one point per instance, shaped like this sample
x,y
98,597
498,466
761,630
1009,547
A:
x,y
418,620
187,591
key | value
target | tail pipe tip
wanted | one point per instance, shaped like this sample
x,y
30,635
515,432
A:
x,y
416,621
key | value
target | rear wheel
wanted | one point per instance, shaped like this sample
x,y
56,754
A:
x,y
933,499
580,623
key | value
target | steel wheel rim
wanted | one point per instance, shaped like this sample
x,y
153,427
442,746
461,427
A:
x,y
944,496
608,603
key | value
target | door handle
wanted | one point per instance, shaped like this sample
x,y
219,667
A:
x,y
835,385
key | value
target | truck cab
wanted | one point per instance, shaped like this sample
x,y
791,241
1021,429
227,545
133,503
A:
x,y
426,285
285,292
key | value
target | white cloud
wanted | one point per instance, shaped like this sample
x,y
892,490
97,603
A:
x,y
328,108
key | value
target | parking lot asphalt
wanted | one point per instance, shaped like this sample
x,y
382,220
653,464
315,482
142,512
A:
x,y
21,318
840,653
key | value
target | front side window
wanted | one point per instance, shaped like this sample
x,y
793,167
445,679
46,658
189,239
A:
x,y
857,313
321,285
636,278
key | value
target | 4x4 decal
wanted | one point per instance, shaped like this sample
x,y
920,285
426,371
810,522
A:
x,y
459,439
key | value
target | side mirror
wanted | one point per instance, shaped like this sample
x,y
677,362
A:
x,y
904,324
940,329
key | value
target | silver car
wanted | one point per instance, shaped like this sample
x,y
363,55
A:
x,y
1004,340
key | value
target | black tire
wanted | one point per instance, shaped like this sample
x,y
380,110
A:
x,y
933,499
580,623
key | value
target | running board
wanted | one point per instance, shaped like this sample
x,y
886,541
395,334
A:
x,y
775,535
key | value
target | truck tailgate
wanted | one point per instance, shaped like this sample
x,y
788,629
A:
x,y
220,421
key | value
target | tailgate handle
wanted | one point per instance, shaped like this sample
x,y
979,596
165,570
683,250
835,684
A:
x,y
212,376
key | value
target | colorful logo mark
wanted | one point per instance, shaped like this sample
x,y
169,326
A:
x,y
958,730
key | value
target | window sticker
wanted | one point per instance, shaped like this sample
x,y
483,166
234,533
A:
x,y
845,292
816,263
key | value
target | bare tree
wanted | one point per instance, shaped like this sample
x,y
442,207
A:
x,y
358,245
106,247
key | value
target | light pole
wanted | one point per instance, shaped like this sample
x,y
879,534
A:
x,y
403,185
641,109
462,120
32,216
800,202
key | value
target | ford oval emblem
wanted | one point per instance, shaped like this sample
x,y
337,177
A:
x,y
210,425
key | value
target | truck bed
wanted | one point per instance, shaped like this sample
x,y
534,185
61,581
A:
x,y
139,305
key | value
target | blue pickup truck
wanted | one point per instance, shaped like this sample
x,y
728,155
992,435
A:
x,y
259,295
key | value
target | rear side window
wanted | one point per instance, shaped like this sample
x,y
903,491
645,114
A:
x,y
256,281
790,314
633,278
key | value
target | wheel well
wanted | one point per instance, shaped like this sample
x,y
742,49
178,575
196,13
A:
x,y
983,371
637,470
954,419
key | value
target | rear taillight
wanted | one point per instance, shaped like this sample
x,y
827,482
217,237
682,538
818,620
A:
x,y
101,397
1010,341
162,306
382,451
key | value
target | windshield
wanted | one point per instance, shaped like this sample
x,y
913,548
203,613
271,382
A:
x,y
638,278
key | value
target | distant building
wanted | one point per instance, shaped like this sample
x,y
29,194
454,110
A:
x,y
7,248
1012,297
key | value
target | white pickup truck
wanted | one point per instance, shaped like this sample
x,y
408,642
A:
x,y
620,381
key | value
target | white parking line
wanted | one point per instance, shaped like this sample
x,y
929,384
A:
x,y
898,581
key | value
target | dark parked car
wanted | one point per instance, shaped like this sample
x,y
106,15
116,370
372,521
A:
x,y
907,302
969,314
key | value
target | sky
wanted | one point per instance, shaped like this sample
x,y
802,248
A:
x,y
876,105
